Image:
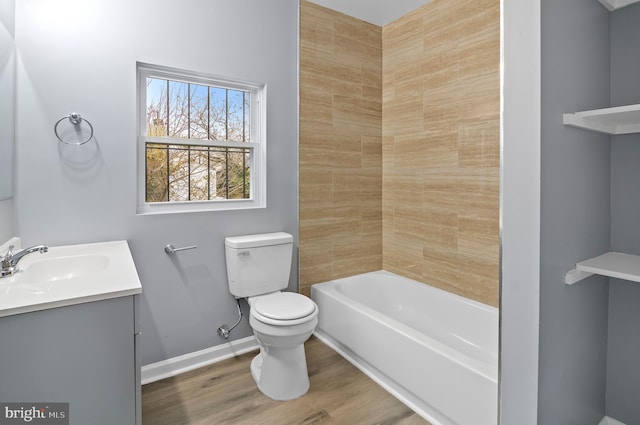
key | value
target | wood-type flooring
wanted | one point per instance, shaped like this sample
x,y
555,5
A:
x,y
225,393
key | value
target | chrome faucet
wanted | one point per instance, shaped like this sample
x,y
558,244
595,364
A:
x,y
9,263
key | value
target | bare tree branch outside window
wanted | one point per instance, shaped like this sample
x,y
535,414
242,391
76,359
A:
x,y
196,170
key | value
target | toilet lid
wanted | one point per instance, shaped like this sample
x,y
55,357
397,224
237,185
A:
x,y
284,306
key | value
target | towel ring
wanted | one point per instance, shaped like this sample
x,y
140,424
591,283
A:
x,y
75,119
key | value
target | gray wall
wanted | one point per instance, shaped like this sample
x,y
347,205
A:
x,y
7,90
623,370
6,220
575,213
83,59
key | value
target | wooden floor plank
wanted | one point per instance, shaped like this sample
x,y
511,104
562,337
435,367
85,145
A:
x,y
225,393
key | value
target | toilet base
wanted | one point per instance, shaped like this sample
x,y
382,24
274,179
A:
x,y
281,373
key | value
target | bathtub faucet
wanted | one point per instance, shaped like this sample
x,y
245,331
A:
x,y
9,263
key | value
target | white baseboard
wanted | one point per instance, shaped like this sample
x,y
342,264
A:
x,y
177,365
609,421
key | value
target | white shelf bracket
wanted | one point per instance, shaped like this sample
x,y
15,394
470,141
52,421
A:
x,y
575,275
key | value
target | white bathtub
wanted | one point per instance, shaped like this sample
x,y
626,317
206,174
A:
x,y
435,351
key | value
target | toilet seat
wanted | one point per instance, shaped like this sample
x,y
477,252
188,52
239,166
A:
x,y
283,308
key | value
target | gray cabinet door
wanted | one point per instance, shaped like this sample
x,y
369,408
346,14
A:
x,y
82,354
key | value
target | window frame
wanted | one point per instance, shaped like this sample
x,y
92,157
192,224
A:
x,y
257,143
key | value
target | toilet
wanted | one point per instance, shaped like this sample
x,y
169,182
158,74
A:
x,y
258,268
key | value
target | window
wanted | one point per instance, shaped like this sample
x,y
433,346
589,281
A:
x,y
201,142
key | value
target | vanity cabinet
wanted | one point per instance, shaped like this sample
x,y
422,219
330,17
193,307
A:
x,y
83,354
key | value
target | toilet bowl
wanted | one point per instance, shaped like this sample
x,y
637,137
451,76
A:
x,y
280,369
258,269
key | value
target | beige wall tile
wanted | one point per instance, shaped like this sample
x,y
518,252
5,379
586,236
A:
x,y
399,146
446,52
340,145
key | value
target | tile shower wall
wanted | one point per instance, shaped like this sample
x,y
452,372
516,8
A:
x,y
441,146
428,84
340,145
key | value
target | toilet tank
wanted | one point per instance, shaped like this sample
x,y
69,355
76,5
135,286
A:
x,y
258,264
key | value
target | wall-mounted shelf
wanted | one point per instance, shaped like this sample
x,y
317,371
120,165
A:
x,y
618,120
612,5
612,264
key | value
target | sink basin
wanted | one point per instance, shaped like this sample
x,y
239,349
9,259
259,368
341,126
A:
x,y
67,275
55,269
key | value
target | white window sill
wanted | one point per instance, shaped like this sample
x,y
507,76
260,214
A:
x,y
198,206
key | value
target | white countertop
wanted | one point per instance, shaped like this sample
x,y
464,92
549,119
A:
x,y
68,275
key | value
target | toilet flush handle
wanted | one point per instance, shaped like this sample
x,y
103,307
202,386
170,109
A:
x,y
244,254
